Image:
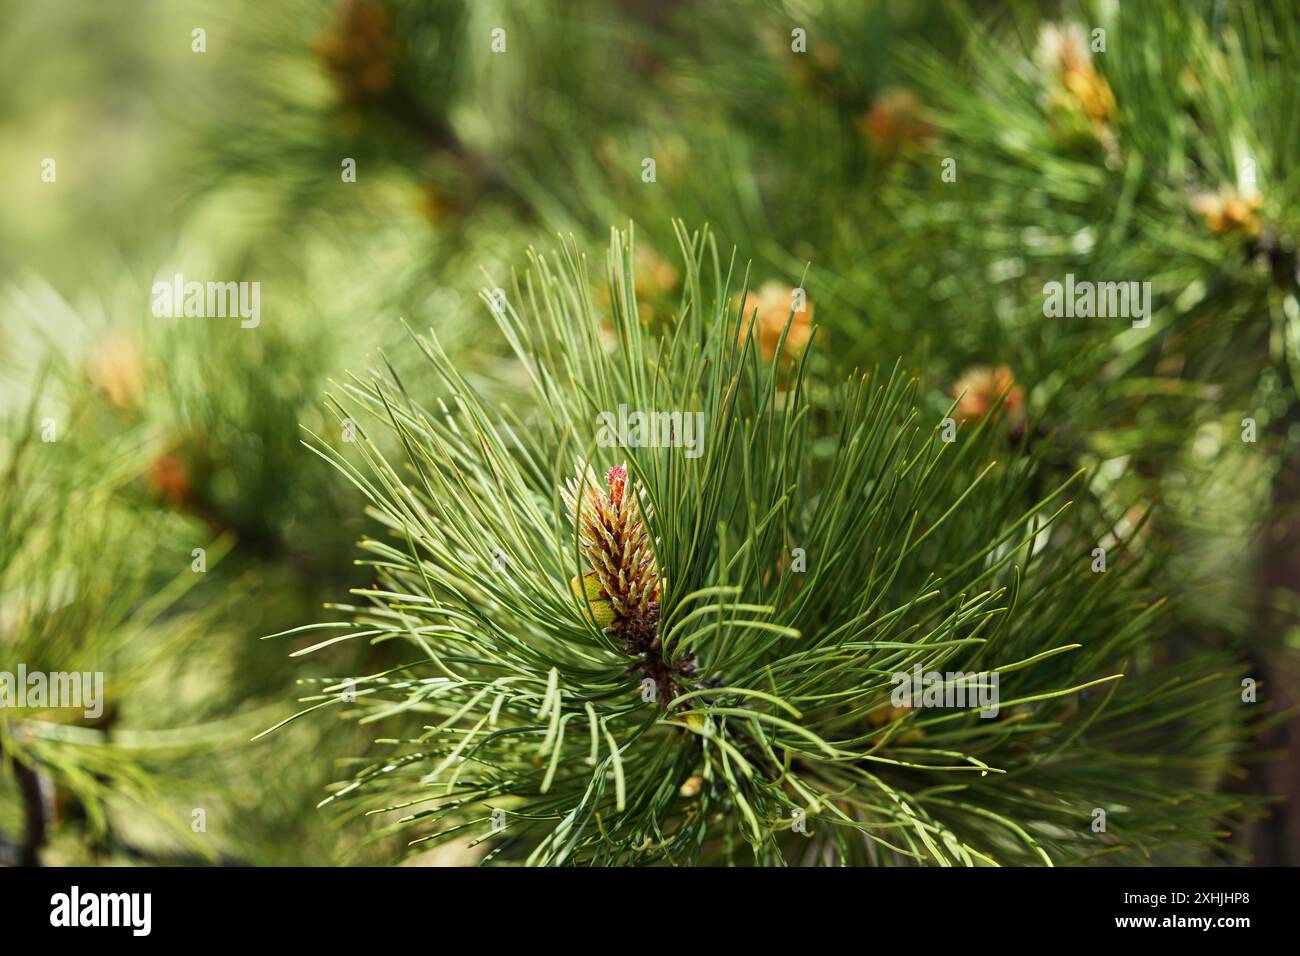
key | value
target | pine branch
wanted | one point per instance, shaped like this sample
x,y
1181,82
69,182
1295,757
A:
x,y
531,695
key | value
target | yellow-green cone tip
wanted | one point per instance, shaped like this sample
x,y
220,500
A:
x,y
587,587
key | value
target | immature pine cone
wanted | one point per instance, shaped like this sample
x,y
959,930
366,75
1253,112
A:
x,y
614,540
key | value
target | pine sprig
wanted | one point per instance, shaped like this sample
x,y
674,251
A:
x,y
821,543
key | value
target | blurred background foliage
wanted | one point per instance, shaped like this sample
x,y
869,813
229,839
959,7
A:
x,y
1169,157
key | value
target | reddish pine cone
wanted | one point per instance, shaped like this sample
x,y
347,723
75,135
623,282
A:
x,y
614,540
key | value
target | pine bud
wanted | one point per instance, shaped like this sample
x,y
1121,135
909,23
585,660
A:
x,y
895,123
169,479
616,544
1229,211
978,390
1064,56
118,371
358,49
772,306
691,787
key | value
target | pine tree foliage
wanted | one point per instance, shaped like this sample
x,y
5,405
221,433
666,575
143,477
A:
x,y
71,607
752,722
812,137
130,562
